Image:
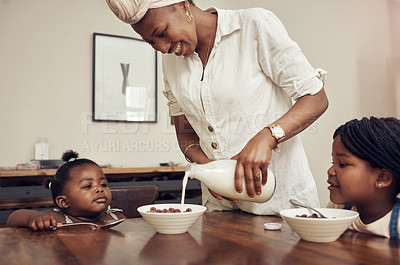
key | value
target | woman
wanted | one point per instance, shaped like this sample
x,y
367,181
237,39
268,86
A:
x,y
230,78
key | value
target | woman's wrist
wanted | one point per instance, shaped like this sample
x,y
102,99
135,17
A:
x,y
272,141
277,132
187,149
190,146
196,154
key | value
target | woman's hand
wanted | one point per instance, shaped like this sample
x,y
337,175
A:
x,y
40,221
256,155
252,162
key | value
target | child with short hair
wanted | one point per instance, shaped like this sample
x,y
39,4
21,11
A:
x,y
365,173
81,193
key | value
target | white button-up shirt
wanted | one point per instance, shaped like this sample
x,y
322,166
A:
x,y
254,73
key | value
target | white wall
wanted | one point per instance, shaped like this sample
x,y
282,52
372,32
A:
x,y
46,87
46,76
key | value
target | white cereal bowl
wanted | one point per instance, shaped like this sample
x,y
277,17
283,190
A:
x,y
319,229
171,223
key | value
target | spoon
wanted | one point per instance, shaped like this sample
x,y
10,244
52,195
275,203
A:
x,y
105,224
297,203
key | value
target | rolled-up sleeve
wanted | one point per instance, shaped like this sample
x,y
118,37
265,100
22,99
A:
x,y
173,105
283,61
309,85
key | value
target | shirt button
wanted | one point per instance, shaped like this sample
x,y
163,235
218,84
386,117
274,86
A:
x,y
215,145
210,128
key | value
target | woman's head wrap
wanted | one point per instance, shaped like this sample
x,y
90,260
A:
x,y
131,11
376,140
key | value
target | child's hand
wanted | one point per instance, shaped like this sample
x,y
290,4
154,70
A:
x,y
41,221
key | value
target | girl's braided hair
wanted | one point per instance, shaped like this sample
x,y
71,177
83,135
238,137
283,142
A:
x,y
63,175
376,140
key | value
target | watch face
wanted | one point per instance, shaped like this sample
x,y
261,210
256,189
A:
x,y
278,131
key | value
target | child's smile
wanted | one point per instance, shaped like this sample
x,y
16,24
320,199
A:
x,y
332,185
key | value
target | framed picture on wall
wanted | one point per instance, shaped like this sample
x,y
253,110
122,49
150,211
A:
x,y
124,79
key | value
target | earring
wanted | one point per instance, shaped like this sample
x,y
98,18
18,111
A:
x,y
189,16
379,185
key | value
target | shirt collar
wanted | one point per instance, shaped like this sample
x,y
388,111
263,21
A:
x,y
227,22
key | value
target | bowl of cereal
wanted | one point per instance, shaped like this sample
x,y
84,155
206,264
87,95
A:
x,y
312,228
171,218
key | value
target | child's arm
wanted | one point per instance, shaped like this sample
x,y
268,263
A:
x,y
35,220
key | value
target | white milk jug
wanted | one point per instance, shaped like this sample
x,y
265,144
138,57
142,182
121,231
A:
x,y
219,176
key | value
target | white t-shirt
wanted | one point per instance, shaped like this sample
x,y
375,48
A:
x,y
254,73
380,227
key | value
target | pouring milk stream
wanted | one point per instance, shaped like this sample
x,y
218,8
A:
x,y
219,176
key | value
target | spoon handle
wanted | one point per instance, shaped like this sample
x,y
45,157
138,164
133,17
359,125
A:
x,y
94,226
82,223
112,223
297,203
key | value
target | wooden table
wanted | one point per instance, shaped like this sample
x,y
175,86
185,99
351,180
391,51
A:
x,y
217,238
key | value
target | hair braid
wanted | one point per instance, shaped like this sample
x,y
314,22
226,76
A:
x,y
376,140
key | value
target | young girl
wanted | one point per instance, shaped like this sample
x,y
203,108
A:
x,y
80,192
365,175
